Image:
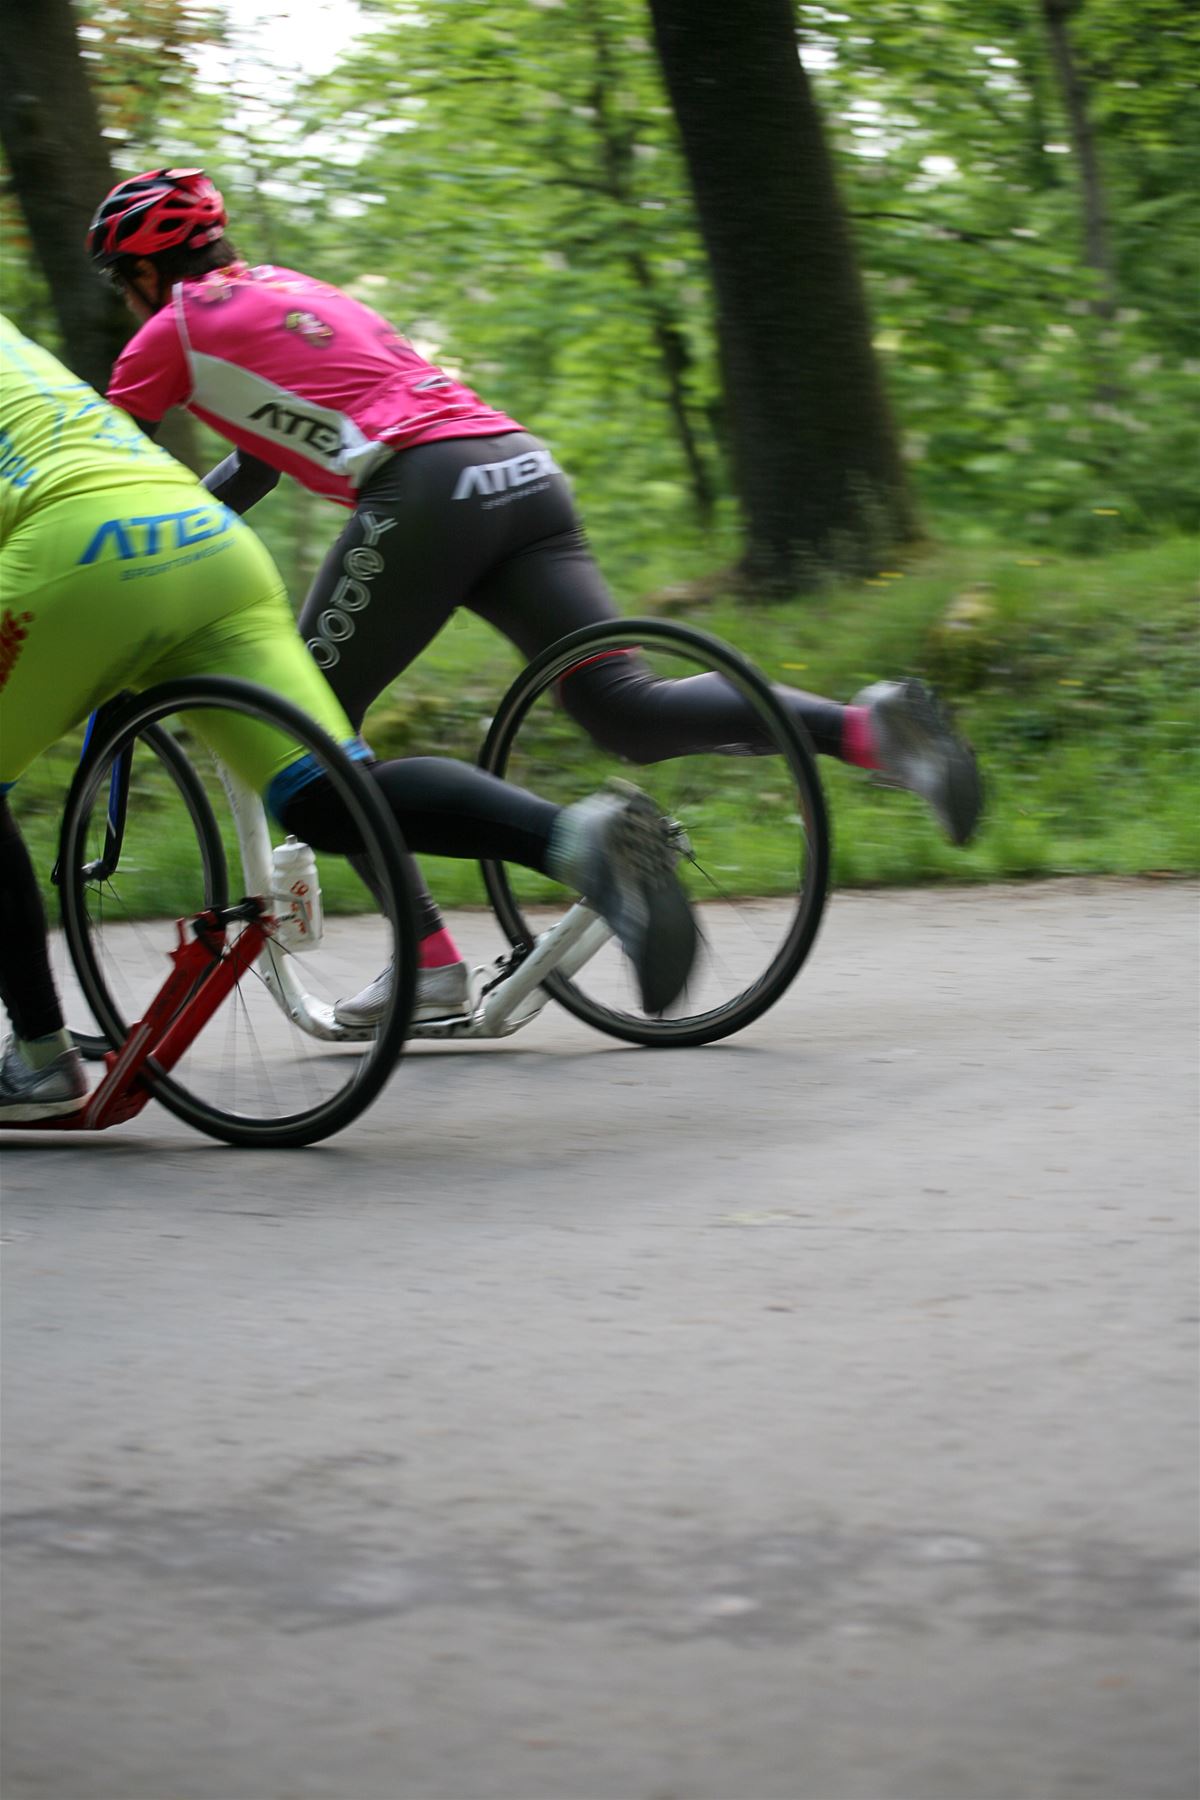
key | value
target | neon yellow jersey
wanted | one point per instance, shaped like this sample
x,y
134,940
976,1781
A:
x,y
59,440
118,569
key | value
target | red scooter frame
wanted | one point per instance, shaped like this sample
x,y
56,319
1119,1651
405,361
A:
x,y
204,969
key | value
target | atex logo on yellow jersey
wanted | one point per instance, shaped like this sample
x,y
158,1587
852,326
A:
x,y
151,534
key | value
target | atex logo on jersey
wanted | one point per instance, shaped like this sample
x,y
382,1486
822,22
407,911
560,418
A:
x,y
153,533
285,421
505,478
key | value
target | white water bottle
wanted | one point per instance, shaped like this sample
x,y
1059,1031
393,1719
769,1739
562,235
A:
x,y
296,895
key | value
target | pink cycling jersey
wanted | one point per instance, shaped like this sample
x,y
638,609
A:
x,y
296,373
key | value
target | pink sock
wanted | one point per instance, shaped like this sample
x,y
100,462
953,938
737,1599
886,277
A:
x,y
438,949
858,739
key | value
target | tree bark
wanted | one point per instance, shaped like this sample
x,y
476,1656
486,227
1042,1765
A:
x,y
59,168
816,462
616,148
1096,240
675,359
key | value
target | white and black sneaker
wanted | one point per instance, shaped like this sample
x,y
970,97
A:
x,y
917,748
28,1094
615,849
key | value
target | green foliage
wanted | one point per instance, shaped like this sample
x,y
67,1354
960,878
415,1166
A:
x,y
24,296
1023,406
503,176
1082,705
141,62
506,184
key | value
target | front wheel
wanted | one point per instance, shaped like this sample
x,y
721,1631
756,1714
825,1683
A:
x,y
252,1076
749,824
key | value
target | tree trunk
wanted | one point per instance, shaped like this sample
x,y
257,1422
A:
x,y
616,148
817,466
60,169
675,359
1097,246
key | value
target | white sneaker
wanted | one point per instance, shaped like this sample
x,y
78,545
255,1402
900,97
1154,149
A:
x,y
28,1094
443,993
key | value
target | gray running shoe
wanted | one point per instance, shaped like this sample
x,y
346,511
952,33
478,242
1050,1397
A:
x,y
443,993
615,849
28,1094
918,749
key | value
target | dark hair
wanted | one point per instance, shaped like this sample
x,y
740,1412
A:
x,y
175,265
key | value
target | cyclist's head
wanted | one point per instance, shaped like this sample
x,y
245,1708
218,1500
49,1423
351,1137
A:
x,y
154,229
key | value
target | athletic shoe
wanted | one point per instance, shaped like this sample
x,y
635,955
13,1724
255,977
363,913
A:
x,y
918,749
615,849
28,1094
443,993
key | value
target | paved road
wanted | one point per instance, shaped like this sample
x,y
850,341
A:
x,y
811,1417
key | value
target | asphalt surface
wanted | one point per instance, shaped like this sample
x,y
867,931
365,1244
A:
x,y
809,1417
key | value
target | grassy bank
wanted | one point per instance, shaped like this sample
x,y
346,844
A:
x,y
1076,679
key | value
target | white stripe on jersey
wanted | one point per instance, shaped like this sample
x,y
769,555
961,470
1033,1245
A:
x,y
251,403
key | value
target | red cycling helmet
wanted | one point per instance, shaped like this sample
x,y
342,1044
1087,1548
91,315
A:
x,y
167,209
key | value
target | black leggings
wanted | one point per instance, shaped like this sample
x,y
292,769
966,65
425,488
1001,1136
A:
x,y
443,808
26,984
489,524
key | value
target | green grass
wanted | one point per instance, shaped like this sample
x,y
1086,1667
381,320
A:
x,y
1077,679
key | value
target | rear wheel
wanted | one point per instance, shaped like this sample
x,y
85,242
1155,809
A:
x,y
751,831
252,1076
165,798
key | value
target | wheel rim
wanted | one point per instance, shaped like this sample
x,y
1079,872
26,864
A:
x,y
756,825
251,1077
167,782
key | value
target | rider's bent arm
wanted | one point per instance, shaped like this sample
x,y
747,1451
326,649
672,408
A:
x,y
241,481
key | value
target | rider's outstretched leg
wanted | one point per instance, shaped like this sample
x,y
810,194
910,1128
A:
x,y
612,848
896,728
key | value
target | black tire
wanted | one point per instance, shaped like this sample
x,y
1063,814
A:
x,y
360,1072
183,777
785,958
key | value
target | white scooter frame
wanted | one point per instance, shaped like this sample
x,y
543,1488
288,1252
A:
x,y
506,996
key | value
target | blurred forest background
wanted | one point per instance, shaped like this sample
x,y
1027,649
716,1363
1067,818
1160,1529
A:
x,y
869,337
